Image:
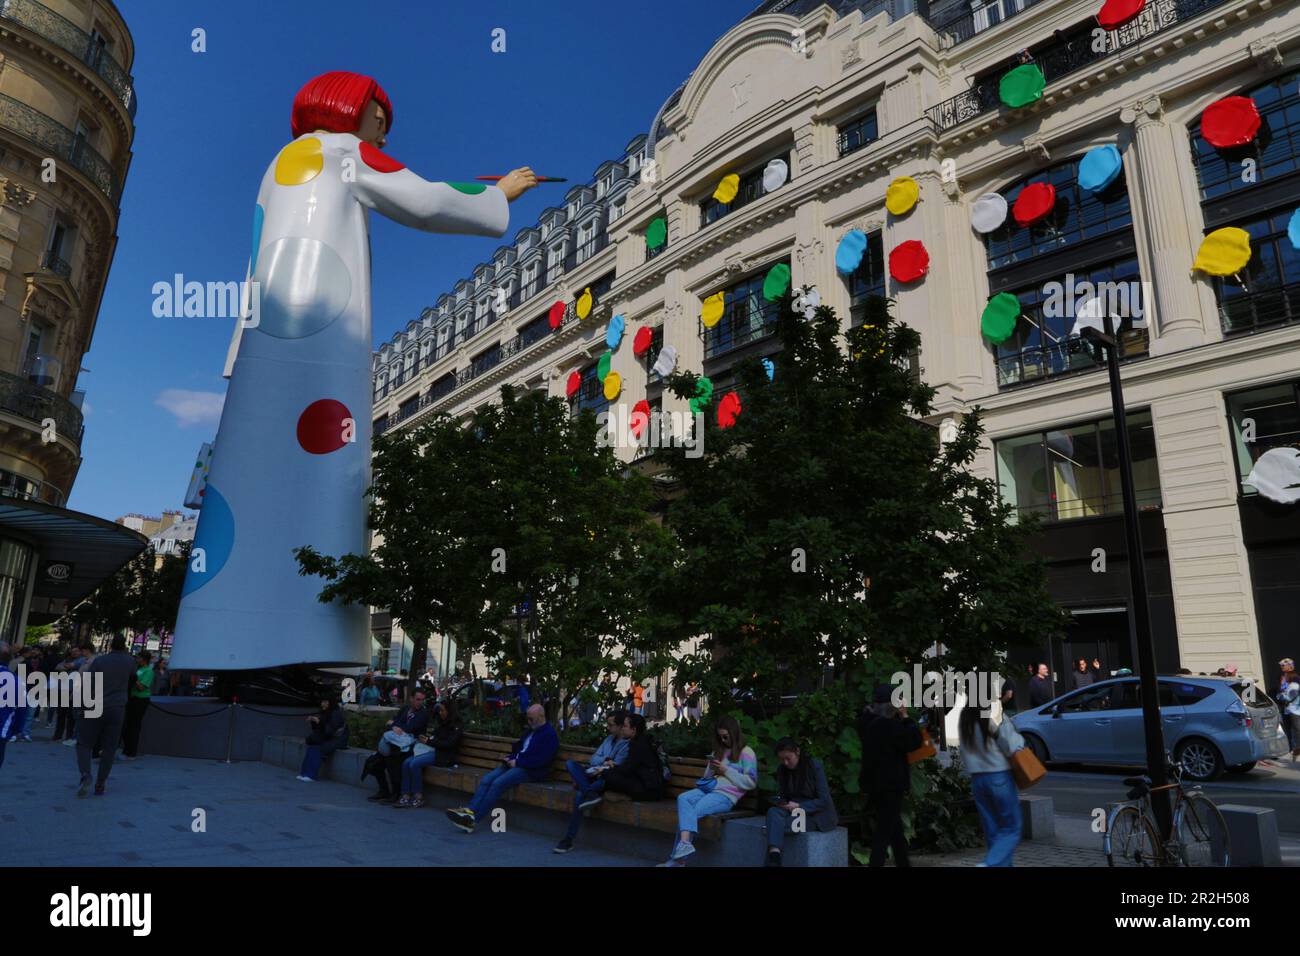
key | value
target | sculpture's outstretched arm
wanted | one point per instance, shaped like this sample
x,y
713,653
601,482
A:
x,y
386,186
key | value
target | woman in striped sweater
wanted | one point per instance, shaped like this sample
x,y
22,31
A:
x,y
733,771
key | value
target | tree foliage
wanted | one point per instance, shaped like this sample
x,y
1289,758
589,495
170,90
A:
x,y
143,595
828,523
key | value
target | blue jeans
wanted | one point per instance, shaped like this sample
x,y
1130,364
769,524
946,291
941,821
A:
x,y
779,823
998,803
315,755
413,771
23,720
694,804
493,786
587,787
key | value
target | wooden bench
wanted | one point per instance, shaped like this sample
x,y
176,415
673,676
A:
x,y
481,753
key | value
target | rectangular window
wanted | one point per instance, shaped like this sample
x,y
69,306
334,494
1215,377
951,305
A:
x,y
1268,293
590,394
747,317
1073,471
750,189
485,360
652,354
1273,153
868,279
858,132
1263,419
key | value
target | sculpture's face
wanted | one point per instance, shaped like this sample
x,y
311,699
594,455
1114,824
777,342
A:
x,y
374,125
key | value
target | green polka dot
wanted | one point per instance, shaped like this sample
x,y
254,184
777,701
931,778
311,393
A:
x,y
999,318
776,282
1022,86
657,234
602,366
470,189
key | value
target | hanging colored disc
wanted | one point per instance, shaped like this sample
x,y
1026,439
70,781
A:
x,y
999,318
770,368
666,362
614,333
613,385
988,212
639,419
909,261
1293,230
712,309
776,282
728,409
1223,252
583,307
848,254
602,365
1035,202
642,340
656,234
1100,167
1022,85
775,174
573,384
727,189
556,315
901,195
1231,121
1115,13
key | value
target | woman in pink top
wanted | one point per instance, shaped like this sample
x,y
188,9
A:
x,y
733,771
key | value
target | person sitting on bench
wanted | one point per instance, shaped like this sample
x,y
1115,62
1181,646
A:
x,y
530,760
396,744
328,732
801,786
641,775
610,754
441,752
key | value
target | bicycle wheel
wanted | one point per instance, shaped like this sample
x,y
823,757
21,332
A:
x,y
1202,832
1130,840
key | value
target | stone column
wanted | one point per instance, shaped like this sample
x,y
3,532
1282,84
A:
x,y
1175,318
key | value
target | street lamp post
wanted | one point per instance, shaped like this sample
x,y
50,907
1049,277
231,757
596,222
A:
x,y
1146,651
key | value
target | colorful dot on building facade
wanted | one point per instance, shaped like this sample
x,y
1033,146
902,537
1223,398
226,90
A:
x,y
712,309
613,385
573,384
300,162
1231,121
583,308
727,188
901,196
642,341
640,418
379,161
602,365
556,314
1000,316
1022,85
849,252
1223,252
1034,203
777,282
1100,167
1293,230
1115,13
614,332
728,410
656,233
324,426
988,212
909,261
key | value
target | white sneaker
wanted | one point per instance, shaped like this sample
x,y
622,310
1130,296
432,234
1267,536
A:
x,y
305,779
70,743
682,850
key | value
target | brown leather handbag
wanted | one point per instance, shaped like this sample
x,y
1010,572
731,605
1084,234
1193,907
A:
x,y
1026,768
924,751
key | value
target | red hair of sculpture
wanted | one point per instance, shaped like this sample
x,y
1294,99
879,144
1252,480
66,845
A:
x,y
333,102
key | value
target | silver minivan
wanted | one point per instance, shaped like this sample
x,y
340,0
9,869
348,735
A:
x,y
1211,724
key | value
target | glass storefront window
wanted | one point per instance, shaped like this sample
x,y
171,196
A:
x,y
1262,419
15,563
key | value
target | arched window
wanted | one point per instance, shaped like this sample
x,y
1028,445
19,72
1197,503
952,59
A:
x,y
1257,188
1083,248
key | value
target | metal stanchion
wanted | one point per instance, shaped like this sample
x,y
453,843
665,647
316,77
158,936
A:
x,y
230,736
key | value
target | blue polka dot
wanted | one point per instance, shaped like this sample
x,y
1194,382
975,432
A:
x,y
259,214
304,285
215,535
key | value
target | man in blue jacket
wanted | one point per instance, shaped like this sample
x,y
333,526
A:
x,y
9,697
530,760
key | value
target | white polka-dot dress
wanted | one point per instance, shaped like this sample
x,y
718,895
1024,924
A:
x,y
290,465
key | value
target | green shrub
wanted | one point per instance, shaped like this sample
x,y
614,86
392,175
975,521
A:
x,y
364,729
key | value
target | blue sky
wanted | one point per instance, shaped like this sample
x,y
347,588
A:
x,y
562,99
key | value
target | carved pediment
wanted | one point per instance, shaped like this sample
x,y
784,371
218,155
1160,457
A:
x,y
50,296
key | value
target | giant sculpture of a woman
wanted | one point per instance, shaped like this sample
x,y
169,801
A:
x,y
290,465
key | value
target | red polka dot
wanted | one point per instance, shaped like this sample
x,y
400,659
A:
x,y
1034,202
574,383
909,261
728,409
556,315
376,160
1115,13
1231,121
640,418
321,426
641,343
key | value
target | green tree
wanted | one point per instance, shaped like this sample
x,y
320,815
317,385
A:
x,y
828,523
516,533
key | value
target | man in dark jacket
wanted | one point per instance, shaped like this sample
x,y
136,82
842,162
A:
x,y
888,735
640,775
100,728
1083,677
530,760
1040,687
386,765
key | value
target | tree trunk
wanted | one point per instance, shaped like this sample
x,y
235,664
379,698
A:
x,y
419,650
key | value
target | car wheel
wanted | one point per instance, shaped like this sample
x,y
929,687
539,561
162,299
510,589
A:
x,y
1036,747
1242,767
1199,759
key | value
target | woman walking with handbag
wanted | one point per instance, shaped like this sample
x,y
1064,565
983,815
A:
x,y
987,743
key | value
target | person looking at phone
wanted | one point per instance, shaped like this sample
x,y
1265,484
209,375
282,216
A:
x,y
733,772
588,781
802,793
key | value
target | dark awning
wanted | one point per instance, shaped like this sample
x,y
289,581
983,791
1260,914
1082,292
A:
x,y
94,548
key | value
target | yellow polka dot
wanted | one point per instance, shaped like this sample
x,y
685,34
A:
x,y
299,162
613,385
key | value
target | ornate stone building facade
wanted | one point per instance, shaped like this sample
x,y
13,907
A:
x,y
850,95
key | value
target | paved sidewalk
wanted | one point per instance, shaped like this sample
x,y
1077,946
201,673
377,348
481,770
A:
x,y
256,815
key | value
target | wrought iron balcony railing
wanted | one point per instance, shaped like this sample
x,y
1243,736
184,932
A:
x,y
1067,55
59,267
1261,308
63,33
974,22
739,326
36,403
1070,354
58,141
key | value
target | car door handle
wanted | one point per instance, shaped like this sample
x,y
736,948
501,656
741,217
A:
x,y
1102,721
1172,717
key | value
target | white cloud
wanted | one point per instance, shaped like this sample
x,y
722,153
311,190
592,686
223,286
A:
x,y
192,408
